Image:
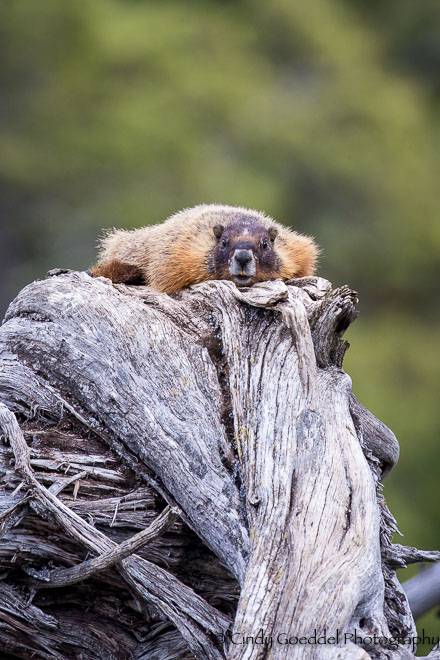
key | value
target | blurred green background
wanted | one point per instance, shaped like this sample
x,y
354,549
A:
x,y
325,114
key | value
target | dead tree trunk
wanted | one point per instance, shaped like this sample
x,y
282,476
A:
x,y
191,476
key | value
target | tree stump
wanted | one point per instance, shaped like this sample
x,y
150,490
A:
x,y
192,477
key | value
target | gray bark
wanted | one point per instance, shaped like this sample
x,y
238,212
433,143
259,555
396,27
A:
x,y
423,590
192,470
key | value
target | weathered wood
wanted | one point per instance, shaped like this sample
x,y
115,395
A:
x,y
230,406
423,590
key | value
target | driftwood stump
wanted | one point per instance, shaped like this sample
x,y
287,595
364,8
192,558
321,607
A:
x,y
192,477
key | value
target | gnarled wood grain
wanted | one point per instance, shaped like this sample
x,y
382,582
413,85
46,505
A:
x,y
232,407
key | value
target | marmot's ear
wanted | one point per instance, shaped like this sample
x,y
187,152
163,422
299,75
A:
x,y
218,231
273,232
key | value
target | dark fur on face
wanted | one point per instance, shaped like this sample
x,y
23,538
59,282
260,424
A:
x,y
245,252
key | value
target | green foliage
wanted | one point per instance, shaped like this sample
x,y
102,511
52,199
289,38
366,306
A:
x,y
397,380
120,113
324,114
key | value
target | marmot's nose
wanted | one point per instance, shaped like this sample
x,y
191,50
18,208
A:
x,y
243,257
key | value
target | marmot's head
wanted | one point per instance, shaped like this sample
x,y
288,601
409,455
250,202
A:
x,y
245,252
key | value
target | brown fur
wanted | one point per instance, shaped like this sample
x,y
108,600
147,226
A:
x,y
180,251
118,272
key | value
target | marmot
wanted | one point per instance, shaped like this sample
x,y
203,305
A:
x,y
207,242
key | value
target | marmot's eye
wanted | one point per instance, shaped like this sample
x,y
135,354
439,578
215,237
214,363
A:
x,y
264,243
224,242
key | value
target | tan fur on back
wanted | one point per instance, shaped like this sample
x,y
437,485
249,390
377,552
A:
x,y
175,253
